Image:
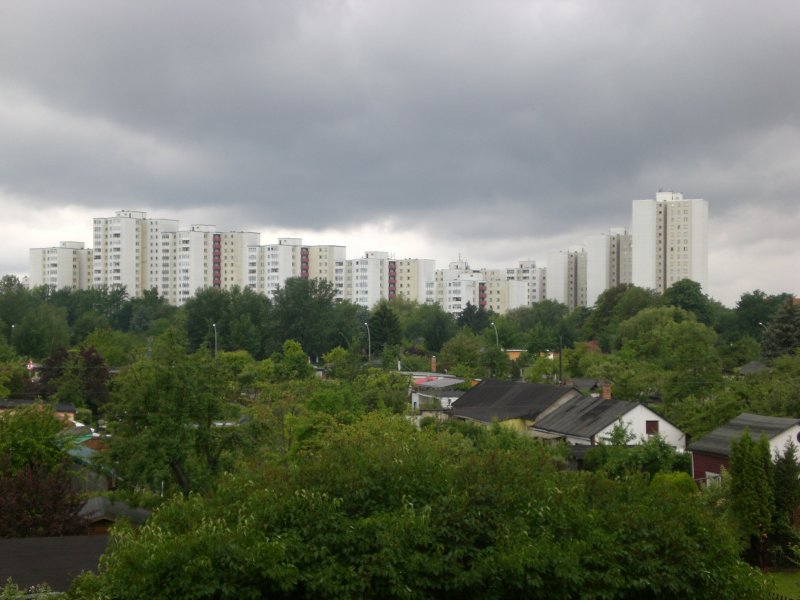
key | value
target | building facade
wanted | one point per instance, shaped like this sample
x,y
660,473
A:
x,y
566,277
609,262
670,241
68,265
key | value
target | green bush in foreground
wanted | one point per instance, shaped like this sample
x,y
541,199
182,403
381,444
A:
x,y
379,509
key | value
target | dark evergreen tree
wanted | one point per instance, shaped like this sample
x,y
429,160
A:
x,y
783,333
384,327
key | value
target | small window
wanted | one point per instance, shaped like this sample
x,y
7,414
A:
x,y
651,427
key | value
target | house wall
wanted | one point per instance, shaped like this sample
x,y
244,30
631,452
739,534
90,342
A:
x,y
777,445
636,419
703,464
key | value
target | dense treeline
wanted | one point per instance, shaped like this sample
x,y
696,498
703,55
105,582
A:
x,y
272,481
681,348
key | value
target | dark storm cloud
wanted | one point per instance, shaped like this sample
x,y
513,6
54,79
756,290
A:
x,y
455,114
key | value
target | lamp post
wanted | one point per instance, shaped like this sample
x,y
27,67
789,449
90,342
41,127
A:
x,y
214,325
369,343
496,337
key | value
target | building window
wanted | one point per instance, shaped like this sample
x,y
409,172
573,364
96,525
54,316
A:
x,y
651,427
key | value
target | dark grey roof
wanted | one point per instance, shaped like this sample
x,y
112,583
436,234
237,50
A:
x,y
9,403
753,367
719,441
584,417
503,400
52,560
585,383
99,508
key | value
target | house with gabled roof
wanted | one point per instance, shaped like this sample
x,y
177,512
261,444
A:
x,y
588,421
711,453
511,403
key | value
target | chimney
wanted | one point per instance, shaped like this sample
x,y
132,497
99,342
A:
x,y
606,391
433,364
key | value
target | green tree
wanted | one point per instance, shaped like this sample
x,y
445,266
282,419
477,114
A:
x,y
162,418
41,331
379,509
474,317
752,492
783,333
384,327
430,324
688,295
462,354
303,311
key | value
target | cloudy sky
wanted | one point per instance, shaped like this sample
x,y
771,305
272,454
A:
x,y
498,130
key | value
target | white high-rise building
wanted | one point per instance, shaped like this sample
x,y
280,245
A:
x,y
670,241
122,250
369,279
503,294
608,262
458,285
68,265
566,277
535,278
414,279
192,265
235,258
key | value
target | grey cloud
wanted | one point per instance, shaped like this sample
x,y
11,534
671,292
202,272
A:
x,y
303,114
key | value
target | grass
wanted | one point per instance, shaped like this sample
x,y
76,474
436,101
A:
x,y
786,583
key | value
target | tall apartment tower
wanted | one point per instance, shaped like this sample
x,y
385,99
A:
x,y
235,258
370,279
191,262
68,265
458,285
535,278
566,276
670,241
122,250
503,294
609,262
414,278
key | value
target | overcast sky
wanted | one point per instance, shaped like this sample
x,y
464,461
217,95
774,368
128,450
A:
x,y
497,130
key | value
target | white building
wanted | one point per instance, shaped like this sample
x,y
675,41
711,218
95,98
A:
x,y
608,262
535,278
367,280
415,279
123,246
566,277
458,285
191,265
670,241
68,265
235,257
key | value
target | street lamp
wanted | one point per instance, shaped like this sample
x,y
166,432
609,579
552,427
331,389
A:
x,y
496,338
369,343
214,325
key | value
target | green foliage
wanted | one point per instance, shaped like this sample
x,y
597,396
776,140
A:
x,y
752,491
783,334
303,311
41,331
162,418
687,295
652,456
379,509
462,353
430,324
30,435
384,327
342,364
